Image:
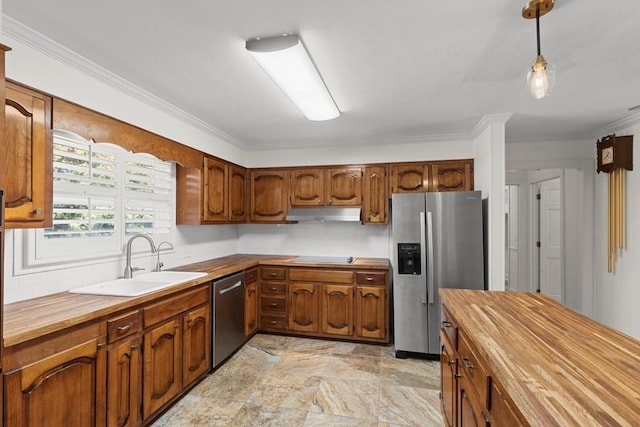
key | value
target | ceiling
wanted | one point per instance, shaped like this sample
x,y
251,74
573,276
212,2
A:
x,y
412,70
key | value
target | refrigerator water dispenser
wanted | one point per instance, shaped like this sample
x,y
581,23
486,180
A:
x,y
409,258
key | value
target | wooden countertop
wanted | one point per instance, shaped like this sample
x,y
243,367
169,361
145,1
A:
x,y
29,319
559,367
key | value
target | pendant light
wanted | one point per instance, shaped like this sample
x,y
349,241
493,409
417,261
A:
x,y
541,76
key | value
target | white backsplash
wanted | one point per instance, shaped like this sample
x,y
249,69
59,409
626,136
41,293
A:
x,y
198,243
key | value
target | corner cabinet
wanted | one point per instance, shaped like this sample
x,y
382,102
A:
x,y
28,139
269,195
224,192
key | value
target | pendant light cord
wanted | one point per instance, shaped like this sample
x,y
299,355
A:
x,y
538,26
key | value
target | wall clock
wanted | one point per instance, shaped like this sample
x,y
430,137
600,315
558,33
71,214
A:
x,y
615,157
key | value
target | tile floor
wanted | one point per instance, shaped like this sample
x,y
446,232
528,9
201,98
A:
x,y
286,381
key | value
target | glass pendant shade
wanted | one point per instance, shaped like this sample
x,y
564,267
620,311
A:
x,y
540,78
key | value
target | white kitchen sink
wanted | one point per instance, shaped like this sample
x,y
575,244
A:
x,y
139,285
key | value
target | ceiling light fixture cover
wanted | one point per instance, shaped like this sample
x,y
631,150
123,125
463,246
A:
x,y
287,62
541,76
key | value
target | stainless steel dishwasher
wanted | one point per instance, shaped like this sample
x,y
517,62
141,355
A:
x,y
228,316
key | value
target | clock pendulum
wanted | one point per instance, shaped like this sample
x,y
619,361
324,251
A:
x,y
615,157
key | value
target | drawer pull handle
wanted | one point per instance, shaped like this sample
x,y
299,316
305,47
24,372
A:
x,y
273,274
134,347
272,322
446,324
451,361
466,363
125,328
370,279
273,289
273,304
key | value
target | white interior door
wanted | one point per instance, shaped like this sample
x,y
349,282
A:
x,y
551,238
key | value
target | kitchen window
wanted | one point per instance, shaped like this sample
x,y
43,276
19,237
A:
x,y
102,194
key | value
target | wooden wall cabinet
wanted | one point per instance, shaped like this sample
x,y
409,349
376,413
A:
x,y
57,380
454,175
343,186
27,159
375,200
269,195
445,175
238,201
251,302
216,191
307,187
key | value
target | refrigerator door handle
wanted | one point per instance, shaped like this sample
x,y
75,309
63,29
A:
x,y
430,284
423,260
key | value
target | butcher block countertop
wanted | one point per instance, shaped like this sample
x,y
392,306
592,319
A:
x,y
558,367
26,320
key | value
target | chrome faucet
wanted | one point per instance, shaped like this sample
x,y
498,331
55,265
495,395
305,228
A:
x,y
159,264
128,270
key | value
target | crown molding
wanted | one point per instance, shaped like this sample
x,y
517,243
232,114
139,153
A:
x,y
631,120
486,121
41,43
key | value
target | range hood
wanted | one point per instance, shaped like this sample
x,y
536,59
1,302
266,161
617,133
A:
x,y
325,213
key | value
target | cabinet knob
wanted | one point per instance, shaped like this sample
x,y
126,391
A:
x,y
467,364
134,347
37,211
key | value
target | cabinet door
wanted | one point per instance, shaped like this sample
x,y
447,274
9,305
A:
x,y
337,310
269,191
470,413
303,307
376,199
370,312
452,176
344,187
216,189
196,356
250,308
409,178
307,187
162,365
237,194
27,162
65,389
448,381
124,383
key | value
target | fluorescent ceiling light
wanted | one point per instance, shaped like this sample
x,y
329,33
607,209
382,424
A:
x,y
287,62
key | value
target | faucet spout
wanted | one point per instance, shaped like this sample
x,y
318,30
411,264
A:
x,y
128,269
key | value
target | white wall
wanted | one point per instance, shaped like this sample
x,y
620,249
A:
x,y
617,295
489,154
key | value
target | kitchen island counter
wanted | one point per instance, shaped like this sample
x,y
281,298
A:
x,y
556,366
34,318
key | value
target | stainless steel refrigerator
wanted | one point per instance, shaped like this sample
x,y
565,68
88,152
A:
x,y
437,243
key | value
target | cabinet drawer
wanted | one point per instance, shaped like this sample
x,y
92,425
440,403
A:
x,y
251,275
273,288
473,370
273,322
448,327
273,273
173,306
123,325
273,304
371,278
317,275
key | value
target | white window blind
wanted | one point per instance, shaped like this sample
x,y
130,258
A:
x,y
102,194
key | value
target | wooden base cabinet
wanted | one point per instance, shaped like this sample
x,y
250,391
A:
x,y
250,302
303,307
64,389
337,310
177,347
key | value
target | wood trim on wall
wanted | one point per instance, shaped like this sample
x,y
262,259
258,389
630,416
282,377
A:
x,y
102,128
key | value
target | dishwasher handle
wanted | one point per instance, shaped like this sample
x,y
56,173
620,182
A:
x,y
230,288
